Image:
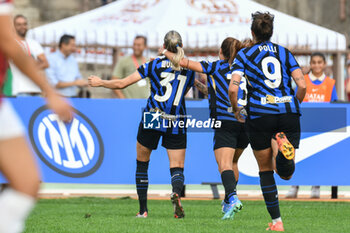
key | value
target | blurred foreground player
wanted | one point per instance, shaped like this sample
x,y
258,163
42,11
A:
x,y
273,122
16,162
169,84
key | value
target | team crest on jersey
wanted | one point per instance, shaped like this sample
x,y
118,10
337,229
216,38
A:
x,y
270,99
75,149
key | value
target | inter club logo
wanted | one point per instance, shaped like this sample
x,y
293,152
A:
x,y
74,149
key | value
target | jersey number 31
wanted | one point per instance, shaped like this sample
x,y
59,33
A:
x,y
167,78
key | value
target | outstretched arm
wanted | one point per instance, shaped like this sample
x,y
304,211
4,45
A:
x,y
185,63
298,78
95,81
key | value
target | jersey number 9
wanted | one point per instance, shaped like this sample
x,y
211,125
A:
x,y
274,79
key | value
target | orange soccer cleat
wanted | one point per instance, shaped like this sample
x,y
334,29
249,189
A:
x,y
278,226
286,148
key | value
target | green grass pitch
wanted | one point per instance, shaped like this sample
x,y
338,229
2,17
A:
x,y
85,215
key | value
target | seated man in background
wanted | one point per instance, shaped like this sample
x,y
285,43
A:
x,y
64,72
21,85
319,88
128,65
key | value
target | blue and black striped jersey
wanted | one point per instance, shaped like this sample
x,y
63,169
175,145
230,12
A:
x,y
219,75
268,68
168,89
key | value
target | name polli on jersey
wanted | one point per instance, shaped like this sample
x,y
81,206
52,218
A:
x,y
268,68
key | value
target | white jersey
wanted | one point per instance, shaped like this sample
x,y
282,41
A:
x,y
20,82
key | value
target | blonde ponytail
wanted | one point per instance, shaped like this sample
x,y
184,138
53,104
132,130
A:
x,y
173,43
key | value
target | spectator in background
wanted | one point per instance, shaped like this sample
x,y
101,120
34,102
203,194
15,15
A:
x,y
128,65
319,88
21,85
64,72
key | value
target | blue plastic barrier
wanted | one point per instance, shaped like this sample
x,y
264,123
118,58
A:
x,y
100,145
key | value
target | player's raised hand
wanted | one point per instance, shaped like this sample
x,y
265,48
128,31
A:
x,y
94,81
59,106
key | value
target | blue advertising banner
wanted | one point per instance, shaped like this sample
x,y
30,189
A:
x,y
99,145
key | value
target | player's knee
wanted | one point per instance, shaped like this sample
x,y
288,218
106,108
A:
x,y
143,153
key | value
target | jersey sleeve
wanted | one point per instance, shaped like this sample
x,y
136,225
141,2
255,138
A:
x,y
238,66
292,63
208,67
144,69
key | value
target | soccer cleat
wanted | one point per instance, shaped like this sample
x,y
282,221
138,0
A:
x,y
144,215
286,148
278,226
233,207
178,210
225,207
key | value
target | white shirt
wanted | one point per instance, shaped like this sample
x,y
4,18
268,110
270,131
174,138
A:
x,y
20,82
314,78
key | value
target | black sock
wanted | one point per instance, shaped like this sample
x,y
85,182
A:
x,y
229,183
177,179
284,167
142,184
269,190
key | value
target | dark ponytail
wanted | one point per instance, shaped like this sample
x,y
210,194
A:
x,y
262,26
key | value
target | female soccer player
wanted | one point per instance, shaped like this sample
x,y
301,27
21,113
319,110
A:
x,y
169,85
16,162
230,140
273,109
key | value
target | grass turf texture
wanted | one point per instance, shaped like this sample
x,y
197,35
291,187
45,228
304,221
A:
x,y
101,215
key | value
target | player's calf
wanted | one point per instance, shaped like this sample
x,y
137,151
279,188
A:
x,y
142,185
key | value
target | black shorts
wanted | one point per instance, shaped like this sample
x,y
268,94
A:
x,y
231,134
150,138
261,130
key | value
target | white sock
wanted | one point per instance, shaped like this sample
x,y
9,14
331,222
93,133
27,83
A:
x,y
274,221
14,209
